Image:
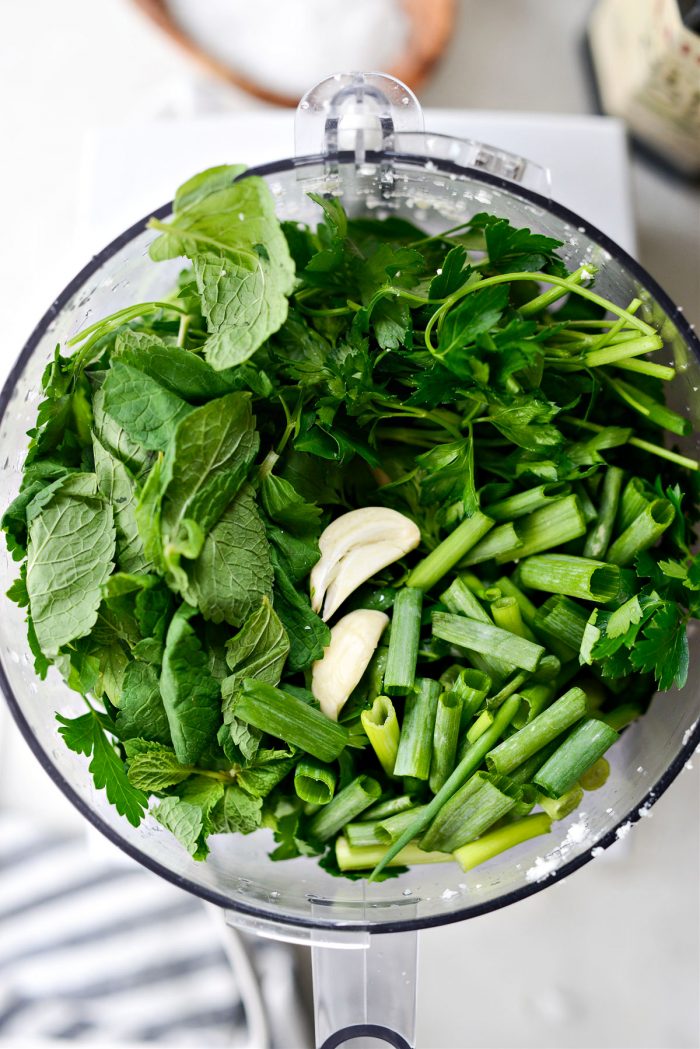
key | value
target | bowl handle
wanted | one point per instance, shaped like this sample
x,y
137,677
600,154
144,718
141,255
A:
x,y
366,995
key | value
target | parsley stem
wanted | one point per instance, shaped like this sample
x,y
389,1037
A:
x,y
644,367
588,742
444,557
400,672
580,577
621,350
548,298
121,316
344,807
600,533
636,442
524,743
382,729
445,738
654,411
645,530
484,637
467,765
610,334
497,841
416,738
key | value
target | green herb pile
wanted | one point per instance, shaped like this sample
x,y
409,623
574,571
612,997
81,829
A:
x,y
189,453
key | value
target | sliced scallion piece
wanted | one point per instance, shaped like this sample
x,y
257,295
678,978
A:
x,y
483,637
344,807
416,737
382,728
562,714
289,718
470,811
445,738
359,859
573,576
560,808
400,672
598,538
553,525
314,782
525,502
499,840
389,807
643,532
439,561
580,749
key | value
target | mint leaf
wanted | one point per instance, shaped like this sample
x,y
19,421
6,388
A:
x,y
237,812
69,557
287,508
233,572
189,814
85,735
118,487
265,771
178,370
308,634
191,696
146,411
114,438
141,711
153,767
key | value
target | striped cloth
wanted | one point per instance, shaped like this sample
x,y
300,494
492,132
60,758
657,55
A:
x,y
96,950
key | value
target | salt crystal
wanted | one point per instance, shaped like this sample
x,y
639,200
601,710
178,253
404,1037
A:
x,y
448,894
624,830
542,868
597,851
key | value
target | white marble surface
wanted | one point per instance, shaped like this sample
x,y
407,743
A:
x,y
610,957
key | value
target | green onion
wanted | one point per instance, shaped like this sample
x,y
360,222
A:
x,y
643,532
507,690
460,599
587,505
451,550
506,614
634,500
524,773
382,728
416,737
470,811
504,538
400,671
563,713
468,764
596,776
361,835
574,576
622,716
472,687
534,700
598,538
525,502
508,588
313,782
289,718
346,805
586,744
500,840
484,721
483,637
393,827
445,737
560,620
351,859
549,669
389,807
555,524
560,808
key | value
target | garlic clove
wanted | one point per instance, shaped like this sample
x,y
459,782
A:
x,y
359,529
358,565
353,641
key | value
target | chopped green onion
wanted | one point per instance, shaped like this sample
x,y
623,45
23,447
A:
x,y
560,621
553,525
351,859
634,500
389,807
508,588
289,718
468,764
361,835
560,808
445,737
596,776
643,532
314,782
587,505
459,599
549,669
470,811
393,827
586,744
439,561
472,687
600,534
382,728
416,738
400,672
525,502
574,576
534,700
500,840
346,805
504,538
508,689
485,719
524,773
483,637
506,614
562,714
622,716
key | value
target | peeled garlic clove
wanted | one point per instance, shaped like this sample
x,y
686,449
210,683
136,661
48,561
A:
x,y
359,529
355,568
353,641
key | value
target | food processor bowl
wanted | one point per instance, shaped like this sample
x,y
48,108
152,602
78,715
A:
x,y
359,137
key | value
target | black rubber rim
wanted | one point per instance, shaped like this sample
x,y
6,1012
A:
x,y
365,1031
211,895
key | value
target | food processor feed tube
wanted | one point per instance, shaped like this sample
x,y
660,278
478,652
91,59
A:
x,y
359,137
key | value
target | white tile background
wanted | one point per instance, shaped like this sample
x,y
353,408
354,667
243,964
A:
x,y
609,958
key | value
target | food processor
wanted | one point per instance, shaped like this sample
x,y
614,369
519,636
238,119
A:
x,y
359,137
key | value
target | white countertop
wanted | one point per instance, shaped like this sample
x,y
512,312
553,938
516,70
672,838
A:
x,y
608,958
